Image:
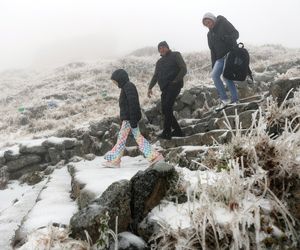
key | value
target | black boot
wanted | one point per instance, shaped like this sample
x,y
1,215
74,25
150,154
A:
x,y
177,133
165,136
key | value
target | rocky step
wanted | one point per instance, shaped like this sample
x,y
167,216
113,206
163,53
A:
x,y
131,199
217,136
186,156
230,110
244,119
89,179
254,98
208,138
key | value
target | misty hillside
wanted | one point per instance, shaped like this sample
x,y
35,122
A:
x,y
34,103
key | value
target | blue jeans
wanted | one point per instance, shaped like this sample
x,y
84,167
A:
x,y
216,76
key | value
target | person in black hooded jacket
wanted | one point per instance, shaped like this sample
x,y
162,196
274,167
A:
x,y
130,114
221,38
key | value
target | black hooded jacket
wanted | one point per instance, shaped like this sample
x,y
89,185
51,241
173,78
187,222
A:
x,y
221,38
129,99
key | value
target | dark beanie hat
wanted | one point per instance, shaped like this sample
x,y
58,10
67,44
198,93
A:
x,y
163,44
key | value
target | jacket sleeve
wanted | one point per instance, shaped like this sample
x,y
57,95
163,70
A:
x,y
212,51
213,58
182,72
133,104
231,34
154,78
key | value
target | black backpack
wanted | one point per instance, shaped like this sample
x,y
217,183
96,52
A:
x,y
237,64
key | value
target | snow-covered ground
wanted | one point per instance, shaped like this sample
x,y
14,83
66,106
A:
x,y
54,204
97,182
16,201
47,202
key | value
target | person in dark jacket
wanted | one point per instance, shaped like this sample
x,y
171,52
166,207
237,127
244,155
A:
x,y
130,114
221,37
169,72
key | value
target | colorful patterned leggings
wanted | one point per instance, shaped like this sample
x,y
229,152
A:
x,y
145,147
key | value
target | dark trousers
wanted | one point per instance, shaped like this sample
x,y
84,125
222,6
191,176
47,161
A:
x,y
168,97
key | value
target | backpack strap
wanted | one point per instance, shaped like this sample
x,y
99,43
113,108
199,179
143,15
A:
x,y
240,45
250,74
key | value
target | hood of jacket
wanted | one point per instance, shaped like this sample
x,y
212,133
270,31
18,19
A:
x,y
120,76
218,21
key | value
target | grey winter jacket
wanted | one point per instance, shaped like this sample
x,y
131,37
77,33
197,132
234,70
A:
x,y
221,38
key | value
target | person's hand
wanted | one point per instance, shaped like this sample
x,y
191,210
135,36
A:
x,y
149,93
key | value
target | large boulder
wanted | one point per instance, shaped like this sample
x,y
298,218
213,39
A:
x,y
280,89
22,161
97,129
187,98
148,188
115,200
35,147
199,101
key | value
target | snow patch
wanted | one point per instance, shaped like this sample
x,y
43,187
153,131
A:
x,y
55,199
132,240
11,216
97,178
32,143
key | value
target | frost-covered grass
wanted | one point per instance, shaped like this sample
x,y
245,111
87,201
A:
x,y
55,238
239,201
79,92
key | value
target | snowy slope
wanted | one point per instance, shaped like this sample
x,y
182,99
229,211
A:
x,y
35,103
49,201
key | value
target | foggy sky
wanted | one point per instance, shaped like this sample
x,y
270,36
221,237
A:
x,y
51,32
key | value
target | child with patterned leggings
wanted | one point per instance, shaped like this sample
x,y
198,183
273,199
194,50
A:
x,y
130,114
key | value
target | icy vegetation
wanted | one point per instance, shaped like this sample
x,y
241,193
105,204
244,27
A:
x,y
238,199
37,103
